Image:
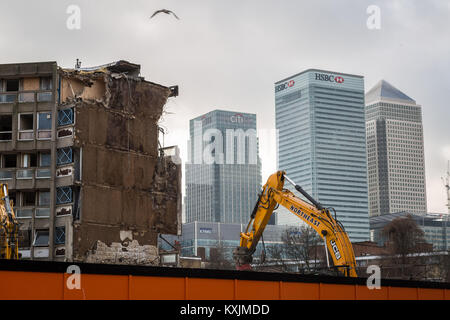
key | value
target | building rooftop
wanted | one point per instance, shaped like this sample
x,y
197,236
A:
x,y
320,70
384,90
425,218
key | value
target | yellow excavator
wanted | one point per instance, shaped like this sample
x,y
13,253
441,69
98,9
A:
x,y
336,240
9,227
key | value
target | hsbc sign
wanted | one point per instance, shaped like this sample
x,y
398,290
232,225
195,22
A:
x,y
285,85
328,77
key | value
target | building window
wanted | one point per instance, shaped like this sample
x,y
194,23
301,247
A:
x,y
5,127
64,156
28,199
44,125
26,126
46,83
65,117
60,235
29,160
44,205
63,195
12,85
45,159
44,198
44,164
9,161
41,238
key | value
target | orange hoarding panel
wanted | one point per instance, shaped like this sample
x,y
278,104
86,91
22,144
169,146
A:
x,y
21,280
30,285
209,289
257,290
337,292
156,288
98,287
299,291
398,293
431,294
364,293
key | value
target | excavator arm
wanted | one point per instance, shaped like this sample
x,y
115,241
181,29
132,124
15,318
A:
x,y
329,229
9,227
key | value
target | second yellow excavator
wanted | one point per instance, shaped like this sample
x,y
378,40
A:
x,y
315,215
9,227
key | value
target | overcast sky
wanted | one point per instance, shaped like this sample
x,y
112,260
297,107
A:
x,y
228,54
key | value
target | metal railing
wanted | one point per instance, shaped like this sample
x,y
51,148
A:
x,y
43,173
28,212
26,96
6,174
25,173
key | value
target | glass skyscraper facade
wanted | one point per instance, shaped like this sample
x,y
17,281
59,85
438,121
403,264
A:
x,y
223,175
395,149
322,144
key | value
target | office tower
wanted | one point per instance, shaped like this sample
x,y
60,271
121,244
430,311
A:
x,y
395,152
223,176
322,143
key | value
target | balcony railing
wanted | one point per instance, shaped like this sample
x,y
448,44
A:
x,y
22,173
44,134
5,135
6,174
43,173
42,212
26,135
26,96
25,173
24,213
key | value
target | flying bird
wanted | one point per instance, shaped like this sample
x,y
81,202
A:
x,y
164,11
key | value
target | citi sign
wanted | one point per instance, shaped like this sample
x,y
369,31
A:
x,y
285,85
327,77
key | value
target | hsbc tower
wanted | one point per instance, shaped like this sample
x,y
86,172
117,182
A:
x,y
320,120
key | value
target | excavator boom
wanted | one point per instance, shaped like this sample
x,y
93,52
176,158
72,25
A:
x,y
315,215
9,227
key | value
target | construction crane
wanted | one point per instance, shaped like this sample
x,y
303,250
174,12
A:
x,y
446,182
9,227
314,214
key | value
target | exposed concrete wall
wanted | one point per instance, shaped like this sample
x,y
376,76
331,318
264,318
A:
x,y
125,185
125,252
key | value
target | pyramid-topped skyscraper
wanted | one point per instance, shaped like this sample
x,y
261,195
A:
x,y
384,90
395,151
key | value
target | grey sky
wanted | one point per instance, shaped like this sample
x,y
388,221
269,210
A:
x,y
228,54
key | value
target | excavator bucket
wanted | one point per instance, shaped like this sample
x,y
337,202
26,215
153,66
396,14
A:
x,y
243,257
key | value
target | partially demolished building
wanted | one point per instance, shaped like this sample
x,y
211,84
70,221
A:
x,y
79,152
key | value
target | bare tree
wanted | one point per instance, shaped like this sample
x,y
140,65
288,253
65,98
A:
x,y
404,237
219,257
299,245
